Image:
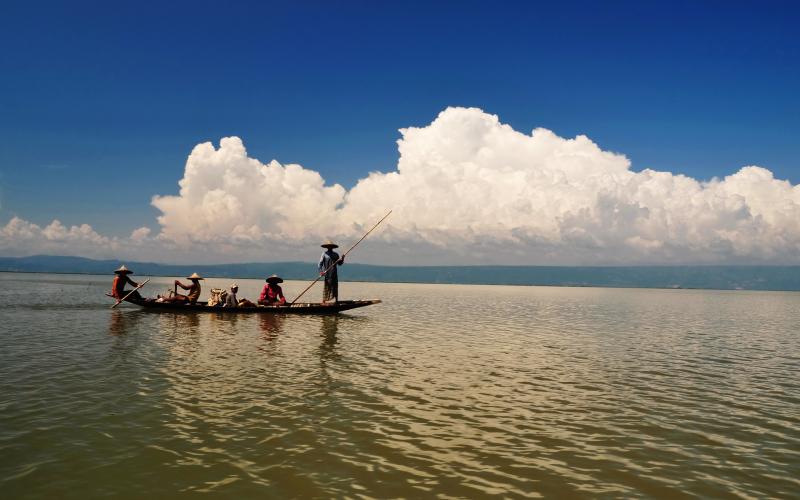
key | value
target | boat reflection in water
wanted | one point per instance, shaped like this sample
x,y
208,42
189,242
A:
x,y
270,326
226,389
176,323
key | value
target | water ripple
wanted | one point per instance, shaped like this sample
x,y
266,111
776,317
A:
x,y
451,391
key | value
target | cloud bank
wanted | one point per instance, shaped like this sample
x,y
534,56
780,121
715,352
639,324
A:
x,y
21,238
467,190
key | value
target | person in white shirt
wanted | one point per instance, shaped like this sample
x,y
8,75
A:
x,y
231,300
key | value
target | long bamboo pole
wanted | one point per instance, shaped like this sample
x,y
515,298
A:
x,y
340,258
129,293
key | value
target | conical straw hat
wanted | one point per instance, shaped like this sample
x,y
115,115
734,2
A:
x,y
329,244
195,276
274,279
123,270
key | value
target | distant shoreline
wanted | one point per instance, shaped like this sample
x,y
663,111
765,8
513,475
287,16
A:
x,y
110,275
620,287
724,277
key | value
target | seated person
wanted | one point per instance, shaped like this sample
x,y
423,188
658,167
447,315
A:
x,y
120,280
272,294
230,299
192,296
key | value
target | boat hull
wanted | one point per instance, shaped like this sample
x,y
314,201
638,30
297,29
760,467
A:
x,y
296,308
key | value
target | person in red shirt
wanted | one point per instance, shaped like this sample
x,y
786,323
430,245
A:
x,y
272,294
120,280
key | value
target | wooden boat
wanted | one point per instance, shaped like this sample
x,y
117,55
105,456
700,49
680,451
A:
x,y
296,308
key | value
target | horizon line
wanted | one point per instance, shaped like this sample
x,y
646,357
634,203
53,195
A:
x,y
401,266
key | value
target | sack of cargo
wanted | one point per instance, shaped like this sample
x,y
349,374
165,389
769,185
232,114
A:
x,y
217,297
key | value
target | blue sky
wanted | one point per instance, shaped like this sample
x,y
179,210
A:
x,y
101,103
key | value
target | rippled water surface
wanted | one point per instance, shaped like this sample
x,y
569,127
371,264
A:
x,y
442,390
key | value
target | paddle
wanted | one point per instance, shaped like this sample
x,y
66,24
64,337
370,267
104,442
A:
x,y
340,258
129,293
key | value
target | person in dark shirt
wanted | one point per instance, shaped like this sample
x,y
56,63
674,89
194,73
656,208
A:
x,y
330,292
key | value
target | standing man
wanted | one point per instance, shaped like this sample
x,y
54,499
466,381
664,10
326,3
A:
x,y
328,264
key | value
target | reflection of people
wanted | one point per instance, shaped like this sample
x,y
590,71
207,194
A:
x,y
270,324
116,326
328,264
119,322
194,291
327,349
272,293
122,322
168,324
121,325
118,286
330,327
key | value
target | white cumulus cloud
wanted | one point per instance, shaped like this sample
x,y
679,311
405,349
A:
x,y
140,235
467,189
225,196
20,237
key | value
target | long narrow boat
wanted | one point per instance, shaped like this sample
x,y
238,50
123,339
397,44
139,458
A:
x,y
296,308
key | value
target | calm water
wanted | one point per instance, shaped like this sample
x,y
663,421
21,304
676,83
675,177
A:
x,y
442,390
